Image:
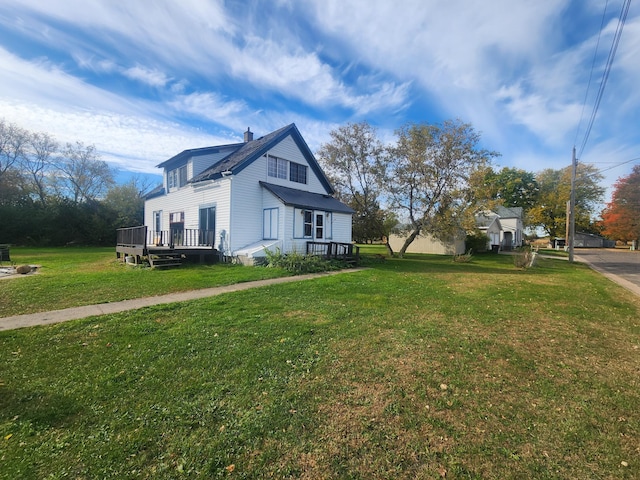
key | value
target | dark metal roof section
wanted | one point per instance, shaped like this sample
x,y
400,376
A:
x,y
197,152
303,199
251,150
156,192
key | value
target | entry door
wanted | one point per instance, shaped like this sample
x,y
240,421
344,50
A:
x,y
508,240
176,228
207,225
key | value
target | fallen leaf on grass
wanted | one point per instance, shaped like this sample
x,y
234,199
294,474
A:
x,y
230,468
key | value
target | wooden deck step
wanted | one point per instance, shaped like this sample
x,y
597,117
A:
x,y
165,260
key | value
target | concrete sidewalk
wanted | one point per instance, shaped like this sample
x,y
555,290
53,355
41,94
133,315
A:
x,y
57,316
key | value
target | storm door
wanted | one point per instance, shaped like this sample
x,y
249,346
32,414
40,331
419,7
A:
x,y
207,226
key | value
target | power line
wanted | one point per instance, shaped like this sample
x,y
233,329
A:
x,y
619,164
605,75
593,65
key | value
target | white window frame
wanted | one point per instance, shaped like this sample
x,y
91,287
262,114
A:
x,y
177,178
305,218
299,167
277,167
270,223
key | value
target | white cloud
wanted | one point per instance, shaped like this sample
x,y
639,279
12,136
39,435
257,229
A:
x,y
209,105
145,75
200,37
549,122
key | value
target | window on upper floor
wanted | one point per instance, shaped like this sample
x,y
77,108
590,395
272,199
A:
x,y
279,167
177,177
298,173
276,167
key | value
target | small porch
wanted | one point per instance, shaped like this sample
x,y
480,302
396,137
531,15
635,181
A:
x,y
348,252
170,245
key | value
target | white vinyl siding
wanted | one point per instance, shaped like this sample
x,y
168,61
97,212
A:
x,y
328,226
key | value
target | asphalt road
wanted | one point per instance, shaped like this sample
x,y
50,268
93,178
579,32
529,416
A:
x,y
624,264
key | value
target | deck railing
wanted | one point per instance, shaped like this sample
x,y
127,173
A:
x,y
131,236
188,237
334,250
143,237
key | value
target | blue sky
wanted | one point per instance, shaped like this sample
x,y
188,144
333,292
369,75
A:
x,y
144,80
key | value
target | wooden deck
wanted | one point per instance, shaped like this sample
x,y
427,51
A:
x,y
166,247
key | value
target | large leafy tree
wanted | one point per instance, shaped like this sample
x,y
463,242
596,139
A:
x,y
550,212
621,217
127,202
428,176
353,161
510,187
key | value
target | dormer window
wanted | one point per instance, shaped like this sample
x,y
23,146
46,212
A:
x,y
177,178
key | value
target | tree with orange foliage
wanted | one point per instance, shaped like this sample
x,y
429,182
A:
x,y
621,217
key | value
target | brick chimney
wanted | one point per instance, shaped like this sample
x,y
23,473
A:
x,y
248,135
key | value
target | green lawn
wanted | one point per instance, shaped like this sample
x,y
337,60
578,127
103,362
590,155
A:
x,y
414,368
70,277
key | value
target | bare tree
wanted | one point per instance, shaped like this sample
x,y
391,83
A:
x,y
81,175
13,142
428,173
37,162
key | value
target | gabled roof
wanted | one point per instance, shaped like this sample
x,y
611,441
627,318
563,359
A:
x,y
304,199
247,152
485,220
508,212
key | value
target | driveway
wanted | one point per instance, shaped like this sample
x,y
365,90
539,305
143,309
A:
x,y
621,266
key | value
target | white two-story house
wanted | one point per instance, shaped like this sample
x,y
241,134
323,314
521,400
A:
x,y
243,198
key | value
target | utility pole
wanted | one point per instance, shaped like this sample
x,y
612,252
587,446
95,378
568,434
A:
x,y
572,205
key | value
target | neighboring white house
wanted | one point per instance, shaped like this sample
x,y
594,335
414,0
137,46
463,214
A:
x,y
242,198
489,223
503,226
512,235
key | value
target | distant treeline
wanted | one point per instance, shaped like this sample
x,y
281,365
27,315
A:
x,y
53,194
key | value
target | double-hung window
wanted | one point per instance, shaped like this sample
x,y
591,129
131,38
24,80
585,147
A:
x,y
177,178
277,167
308,223
297,173
284,169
